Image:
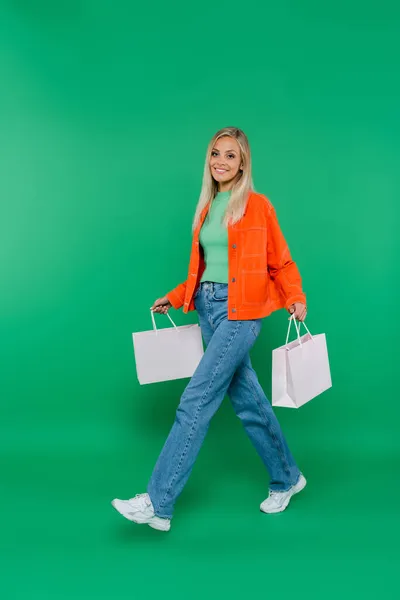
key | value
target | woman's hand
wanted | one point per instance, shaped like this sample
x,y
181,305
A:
x,y
161,305
299,309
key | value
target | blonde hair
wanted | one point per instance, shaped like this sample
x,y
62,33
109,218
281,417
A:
x,y
242,186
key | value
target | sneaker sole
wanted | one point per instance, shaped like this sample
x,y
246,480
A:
x,y
158,523
154,522
300,485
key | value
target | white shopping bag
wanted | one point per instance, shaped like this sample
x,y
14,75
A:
x,y
300,369
165,354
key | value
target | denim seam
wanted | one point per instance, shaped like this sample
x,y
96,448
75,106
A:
x,y
266,420
198,408
253,329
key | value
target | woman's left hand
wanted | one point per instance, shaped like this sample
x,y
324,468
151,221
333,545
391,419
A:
x,y
299,309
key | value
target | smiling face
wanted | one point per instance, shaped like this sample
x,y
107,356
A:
x,y
225,162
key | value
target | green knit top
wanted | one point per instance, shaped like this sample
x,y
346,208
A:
x,y
214,240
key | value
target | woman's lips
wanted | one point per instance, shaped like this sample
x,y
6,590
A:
x,y
220,171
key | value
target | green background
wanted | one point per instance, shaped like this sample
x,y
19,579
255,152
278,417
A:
x,y
106,110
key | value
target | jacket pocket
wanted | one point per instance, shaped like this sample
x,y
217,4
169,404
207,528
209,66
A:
x,y
255,286
253,241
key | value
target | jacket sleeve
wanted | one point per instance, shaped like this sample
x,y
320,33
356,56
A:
x,y
177,295
282,269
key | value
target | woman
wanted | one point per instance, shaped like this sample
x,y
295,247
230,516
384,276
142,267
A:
x,y
240,271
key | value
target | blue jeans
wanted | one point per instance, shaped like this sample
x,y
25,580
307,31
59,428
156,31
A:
x,y
225,368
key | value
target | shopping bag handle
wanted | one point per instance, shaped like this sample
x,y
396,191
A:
x,y
154,323
297,326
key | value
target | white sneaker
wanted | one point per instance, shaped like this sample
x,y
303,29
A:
x,y
278,501
140,510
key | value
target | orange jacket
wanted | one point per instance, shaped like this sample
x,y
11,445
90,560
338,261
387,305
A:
x,y
262,275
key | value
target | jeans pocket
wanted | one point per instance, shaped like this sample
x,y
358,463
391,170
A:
x,y
220,294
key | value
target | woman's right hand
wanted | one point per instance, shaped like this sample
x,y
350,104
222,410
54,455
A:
x,y
161,305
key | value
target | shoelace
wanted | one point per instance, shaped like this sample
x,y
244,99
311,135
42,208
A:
x,y
143,497
274,493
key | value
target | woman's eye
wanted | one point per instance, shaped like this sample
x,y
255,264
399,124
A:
x,y
214,153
